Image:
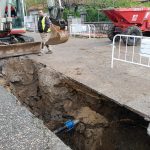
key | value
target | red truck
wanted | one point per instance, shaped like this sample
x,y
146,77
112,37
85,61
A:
x,y
129,21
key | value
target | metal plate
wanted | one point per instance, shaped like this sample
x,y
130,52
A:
x,y
19,49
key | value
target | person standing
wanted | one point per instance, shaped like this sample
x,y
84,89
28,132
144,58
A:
x,y
44,25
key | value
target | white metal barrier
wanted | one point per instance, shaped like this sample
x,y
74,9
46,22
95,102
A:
x,y
138,53
31,23
83,30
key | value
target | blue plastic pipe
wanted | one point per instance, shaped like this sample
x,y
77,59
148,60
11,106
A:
x,y
69,125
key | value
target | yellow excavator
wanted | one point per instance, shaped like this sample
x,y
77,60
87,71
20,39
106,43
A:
x,y
13,42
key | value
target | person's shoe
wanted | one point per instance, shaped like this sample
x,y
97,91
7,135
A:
x,y
49,52
40,54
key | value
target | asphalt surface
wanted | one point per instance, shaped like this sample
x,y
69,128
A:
x,y
20,130
88,61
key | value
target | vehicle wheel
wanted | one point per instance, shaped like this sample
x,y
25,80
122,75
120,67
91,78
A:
x,y
111,33
133,30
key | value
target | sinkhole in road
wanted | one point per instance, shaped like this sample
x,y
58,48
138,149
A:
x,y
55,99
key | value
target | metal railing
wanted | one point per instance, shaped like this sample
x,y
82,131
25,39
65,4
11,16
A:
x,y
31,23
101,27
82,30
131,49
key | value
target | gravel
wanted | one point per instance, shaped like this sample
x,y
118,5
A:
x,y
21,130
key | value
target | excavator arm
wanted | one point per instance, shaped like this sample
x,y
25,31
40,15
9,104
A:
x,y
56,13
59,34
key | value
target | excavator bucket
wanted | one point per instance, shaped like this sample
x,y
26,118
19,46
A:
x,y
19,49
57,36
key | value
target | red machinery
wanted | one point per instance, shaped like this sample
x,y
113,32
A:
x,y
130,21
12,26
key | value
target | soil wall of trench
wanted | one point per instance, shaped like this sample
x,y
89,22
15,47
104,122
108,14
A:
x,y
55,98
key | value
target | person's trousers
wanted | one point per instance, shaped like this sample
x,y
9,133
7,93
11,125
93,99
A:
x,y
45,37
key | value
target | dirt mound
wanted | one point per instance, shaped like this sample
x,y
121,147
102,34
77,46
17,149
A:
x,y
90,117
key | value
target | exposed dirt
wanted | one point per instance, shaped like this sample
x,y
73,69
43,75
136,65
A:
x,y
55,98
89,117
